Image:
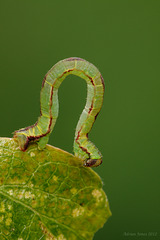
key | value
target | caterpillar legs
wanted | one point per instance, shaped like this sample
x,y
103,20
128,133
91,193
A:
x,y
42,142
24,140
86,150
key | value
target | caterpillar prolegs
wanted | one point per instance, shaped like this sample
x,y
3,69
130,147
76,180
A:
x,y
40,131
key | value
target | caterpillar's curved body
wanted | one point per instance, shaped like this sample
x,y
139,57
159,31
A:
x,y
41,130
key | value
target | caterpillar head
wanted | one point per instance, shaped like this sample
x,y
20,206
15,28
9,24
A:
x,y
92,162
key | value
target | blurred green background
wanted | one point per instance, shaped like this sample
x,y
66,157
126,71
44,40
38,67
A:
x,y
122,39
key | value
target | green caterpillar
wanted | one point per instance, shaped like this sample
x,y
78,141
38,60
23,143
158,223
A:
x,y
40,131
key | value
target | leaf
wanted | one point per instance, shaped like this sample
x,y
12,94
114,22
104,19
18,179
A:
x,y
48,195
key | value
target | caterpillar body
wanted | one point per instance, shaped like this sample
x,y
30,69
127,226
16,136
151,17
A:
x,y
40,131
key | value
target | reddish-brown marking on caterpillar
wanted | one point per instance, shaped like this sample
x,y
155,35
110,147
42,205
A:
x,y
84,149
90,109
102,82
44,79
75,58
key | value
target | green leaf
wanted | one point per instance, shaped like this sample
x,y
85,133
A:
x,y
48,195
